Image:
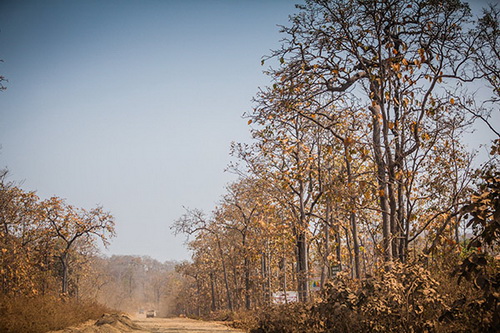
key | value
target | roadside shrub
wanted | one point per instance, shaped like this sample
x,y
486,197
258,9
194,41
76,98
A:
x,y
286,318
408,298
405,299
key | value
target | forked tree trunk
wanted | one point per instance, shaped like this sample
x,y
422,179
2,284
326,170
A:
x,y
381,179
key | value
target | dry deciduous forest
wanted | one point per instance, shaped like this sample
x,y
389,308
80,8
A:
x,y
358,205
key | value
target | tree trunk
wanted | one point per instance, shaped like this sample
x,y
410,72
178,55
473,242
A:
x,y
64,263
247,283
382,180
355,245
198,294
266,277
352,216
302,267
237,298
349,250
246,265
338,251
392,215
403,231
226,282
213,306
325,268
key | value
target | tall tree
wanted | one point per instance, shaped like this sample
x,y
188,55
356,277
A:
x,y
70,225
396,56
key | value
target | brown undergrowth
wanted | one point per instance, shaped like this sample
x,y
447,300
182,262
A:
x,y
408,298
38,314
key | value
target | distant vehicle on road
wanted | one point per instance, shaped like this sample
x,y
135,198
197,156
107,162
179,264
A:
x,y
150,314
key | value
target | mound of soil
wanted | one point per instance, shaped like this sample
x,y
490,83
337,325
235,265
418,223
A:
x,y
118,321
108,323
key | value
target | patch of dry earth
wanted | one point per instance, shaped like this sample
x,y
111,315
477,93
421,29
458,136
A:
x,y
182,325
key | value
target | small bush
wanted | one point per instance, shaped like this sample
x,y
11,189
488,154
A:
x,y
286,318
44,313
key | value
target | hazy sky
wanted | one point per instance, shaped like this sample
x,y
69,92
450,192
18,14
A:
x,y
131,104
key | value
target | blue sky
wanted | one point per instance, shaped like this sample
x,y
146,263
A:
x,y
131,104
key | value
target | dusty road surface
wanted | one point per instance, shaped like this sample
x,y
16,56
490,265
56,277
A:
x,y
118,323
181,325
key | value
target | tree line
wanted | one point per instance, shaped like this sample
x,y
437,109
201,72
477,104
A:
x,y
49,248
47,245
358,160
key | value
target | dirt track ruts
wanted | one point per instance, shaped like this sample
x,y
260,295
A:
x,y
181,325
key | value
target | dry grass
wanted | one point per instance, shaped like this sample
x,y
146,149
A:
x,y
44,313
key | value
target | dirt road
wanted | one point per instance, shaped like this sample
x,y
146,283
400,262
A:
x,y
181,325
118,323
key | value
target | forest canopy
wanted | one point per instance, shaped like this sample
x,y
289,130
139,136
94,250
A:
x,y
358,165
